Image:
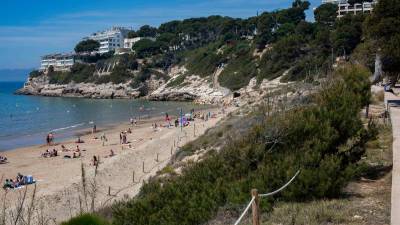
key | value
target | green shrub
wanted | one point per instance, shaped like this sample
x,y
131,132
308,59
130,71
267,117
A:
x,y
204,61
35,73
86,219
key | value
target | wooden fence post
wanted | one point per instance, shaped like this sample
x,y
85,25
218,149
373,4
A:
x,y
143,166
133,176
255,207
157,158
109,190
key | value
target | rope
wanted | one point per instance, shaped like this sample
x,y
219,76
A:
x,y
265,195
245,211
283,187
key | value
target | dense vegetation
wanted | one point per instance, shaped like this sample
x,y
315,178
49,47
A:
x,y
267,156
87,46
88,219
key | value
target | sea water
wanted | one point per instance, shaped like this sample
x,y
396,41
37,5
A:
x,y
26,120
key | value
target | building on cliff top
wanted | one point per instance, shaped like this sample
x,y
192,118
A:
x,y
345,8
110,39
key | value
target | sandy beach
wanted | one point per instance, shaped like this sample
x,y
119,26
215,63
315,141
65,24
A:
x,y
59,180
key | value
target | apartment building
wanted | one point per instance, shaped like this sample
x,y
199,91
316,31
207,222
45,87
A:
x,y
110,39
60,62
345,8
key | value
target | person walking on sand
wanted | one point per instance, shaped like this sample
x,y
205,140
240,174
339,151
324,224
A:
x,y
48,139
120,138
94,130
103,138
135,121
131,120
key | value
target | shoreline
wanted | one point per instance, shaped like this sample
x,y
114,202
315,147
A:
x,y
26,137
59,179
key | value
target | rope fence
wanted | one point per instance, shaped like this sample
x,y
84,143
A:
x,y
254,202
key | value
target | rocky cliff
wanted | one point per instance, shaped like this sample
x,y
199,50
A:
x,y
193,88
41,86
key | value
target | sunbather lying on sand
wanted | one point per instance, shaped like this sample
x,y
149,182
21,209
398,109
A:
x,y
19,181
48,154
3,159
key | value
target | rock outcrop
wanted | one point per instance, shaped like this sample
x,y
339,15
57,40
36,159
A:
x,y
41,86
193,88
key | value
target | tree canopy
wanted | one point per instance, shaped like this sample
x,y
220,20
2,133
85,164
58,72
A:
x,y
87,46
383,26
146,48
326,14
147,31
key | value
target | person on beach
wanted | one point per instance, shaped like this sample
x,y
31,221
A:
x,y
8,184
79,141
94,130
95,161
176,122
120,138
103,138
135,121
129,131
48,139
3,159
124,140
131,121
51,138
111,153
64,149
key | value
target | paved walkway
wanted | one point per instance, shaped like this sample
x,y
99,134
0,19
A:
x,y
393,102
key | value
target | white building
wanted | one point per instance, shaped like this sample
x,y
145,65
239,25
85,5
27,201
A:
x,y
60,62
345,8
129,42
365,7
110,39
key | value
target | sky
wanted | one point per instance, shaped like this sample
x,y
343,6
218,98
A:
x,y
32,28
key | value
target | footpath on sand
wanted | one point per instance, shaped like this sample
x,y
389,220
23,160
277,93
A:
x,y
393,105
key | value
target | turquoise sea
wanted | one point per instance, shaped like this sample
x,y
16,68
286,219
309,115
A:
x,y
25,120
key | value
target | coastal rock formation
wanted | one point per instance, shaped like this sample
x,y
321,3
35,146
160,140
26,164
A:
x,y
40,86
193,88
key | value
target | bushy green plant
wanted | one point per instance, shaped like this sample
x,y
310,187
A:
x,y
86,219
240,69
204,61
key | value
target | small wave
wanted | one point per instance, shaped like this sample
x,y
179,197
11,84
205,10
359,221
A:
x,y
69,127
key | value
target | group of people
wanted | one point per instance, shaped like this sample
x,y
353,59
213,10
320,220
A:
x,y
19,181
54,153
133,121
49,154
77,153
